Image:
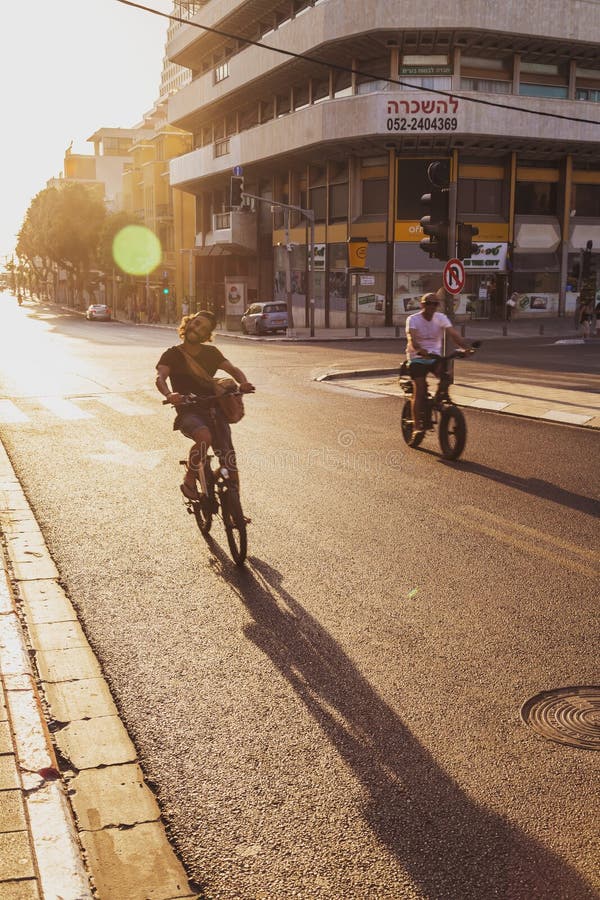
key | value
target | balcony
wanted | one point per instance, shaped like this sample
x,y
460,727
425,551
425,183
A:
x,y
232,232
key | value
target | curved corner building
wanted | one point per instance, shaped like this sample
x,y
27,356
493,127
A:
x,y
325,130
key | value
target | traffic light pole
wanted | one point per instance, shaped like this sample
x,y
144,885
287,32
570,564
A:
x,y
452,209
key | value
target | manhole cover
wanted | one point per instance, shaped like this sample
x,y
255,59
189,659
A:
x,y
568,715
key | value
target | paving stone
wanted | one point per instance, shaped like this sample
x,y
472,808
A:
x,y
88,698
67,665
45,601
32,741
39,564
16,860
57,849
6,742
3,709
138,863
19,890
115,795
9,776
12,813
57,635
96,742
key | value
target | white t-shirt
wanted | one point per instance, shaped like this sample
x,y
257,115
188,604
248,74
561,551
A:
x,y
430,335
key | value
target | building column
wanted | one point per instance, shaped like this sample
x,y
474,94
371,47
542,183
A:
x,y
566,228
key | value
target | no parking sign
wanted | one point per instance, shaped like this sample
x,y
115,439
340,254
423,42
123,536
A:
x,y
454,276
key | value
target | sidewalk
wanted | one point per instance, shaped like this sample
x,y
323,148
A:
x,y
77,819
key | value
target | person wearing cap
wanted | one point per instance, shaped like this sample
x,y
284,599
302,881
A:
x,y
182,366
425,333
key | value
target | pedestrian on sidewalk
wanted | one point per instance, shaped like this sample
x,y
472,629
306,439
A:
x,y
511,304
585,317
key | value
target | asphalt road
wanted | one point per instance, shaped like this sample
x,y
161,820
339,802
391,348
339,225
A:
x,y
340,719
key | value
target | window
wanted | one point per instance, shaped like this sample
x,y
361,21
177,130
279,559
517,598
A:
x,y
318,203
338,202
481,196
342,84
535,198
587,200
590,94
441,83
486,85
374,196
221,72
555,91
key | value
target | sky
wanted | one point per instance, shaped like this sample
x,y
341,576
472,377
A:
x,y
68,68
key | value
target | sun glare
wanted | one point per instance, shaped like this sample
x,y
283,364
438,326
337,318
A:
x,y
136,250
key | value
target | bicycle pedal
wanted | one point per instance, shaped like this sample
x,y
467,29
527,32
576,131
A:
x,y
183,462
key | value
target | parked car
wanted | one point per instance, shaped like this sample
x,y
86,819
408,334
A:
x,y
262,318
98,311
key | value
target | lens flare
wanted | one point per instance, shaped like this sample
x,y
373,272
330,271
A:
x,y
136,250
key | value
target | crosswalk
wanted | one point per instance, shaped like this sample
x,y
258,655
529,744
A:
x,y
23,410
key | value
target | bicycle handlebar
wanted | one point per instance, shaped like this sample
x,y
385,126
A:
x,y
189,399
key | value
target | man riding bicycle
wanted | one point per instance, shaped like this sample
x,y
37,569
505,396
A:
x,y
190,367
425,332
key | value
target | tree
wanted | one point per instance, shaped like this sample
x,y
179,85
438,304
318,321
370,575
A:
x,y
62,227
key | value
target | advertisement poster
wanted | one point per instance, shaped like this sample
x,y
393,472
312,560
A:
x,y
491,257
371,303
235,298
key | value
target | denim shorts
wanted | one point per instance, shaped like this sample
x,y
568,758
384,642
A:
x,y
188,422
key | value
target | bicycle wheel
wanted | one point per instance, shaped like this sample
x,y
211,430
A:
x,y
452,432
203,508
235,524
406,423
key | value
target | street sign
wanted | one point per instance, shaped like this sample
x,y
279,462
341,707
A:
x,y
454,276
237,170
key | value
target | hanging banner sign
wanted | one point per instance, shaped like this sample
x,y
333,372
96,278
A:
x,y
420,113
491,257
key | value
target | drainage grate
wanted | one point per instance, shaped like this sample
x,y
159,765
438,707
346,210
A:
x,y
568,715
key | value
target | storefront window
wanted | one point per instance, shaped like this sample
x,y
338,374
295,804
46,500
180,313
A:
x,y
409,287
535,198
481,196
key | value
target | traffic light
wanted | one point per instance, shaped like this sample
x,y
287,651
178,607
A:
x,y
464,239
165,285
237,190
436,222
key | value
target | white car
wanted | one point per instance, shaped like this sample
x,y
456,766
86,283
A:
x,y
99,311
262,318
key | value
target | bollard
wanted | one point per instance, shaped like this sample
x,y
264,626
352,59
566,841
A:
x,y
463,329
367,331
541,327
397,331
504,330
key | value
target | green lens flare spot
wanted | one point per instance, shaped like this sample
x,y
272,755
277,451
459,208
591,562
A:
x,y
136,250
412,593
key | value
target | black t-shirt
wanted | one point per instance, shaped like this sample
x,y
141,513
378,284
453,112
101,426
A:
x,y
183,381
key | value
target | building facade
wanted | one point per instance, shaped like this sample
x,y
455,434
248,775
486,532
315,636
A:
x,y
325,129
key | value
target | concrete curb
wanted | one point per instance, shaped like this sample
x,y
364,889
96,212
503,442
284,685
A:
x,y
551,414
90,817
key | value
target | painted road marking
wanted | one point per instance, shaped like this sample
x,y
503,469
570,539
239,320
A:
x,y
9,413
64,409
122,405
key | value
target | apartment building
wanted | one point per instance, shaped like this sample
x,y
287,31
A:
x,y
169,213
343,114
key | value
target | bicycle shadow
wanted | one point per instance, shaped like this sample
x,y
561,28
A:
x,y
533,486
450,846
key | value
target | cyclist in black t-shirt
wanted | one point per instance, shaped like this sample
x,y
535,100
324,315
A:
x,y
196,332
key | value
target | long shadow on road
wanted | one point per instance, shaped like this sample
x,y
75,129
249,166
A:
x,y
449,845
534,486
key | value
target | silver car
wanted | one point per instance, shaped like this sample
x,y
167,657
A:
x,y
265,318
98,311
